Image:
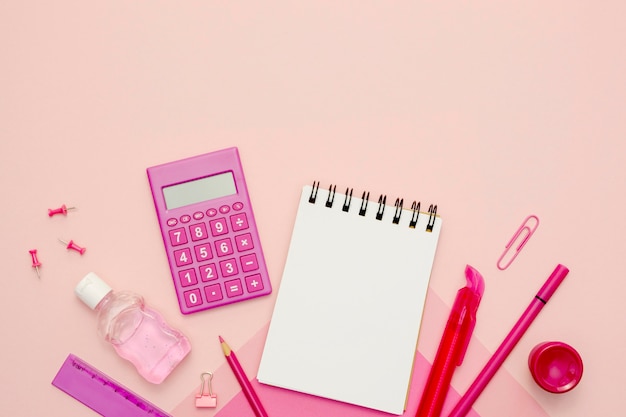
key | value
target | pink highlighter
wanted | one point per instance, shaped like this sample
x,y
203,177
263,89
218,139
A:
x,y
453,345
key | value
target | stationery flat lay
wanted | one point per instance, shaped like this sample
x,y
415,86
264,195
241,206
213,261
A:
x,y
334,323
312,209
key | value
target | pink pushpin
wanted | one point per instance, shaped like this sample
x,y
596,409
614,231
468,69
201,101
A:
x,y
73,246
61,210
36,263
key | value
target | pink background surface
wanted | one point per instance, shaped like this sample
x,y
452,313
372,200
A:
x,y
493,111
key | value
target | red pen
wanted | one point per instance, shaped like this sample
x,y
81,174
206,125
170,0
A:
x,y
453,345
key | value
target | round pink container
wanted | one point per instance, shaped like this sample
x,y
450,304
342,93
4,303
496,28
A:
x,y
555,366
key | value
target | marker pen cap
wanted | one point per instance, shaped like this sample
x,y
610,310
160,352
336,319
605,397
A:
x,y
555,366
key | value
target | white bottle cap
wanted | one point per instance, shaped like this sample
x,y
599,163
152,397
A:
x,y
91,290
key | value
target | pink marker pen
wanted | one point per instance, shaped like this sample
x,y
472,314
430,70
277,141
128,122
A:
x,y
453,345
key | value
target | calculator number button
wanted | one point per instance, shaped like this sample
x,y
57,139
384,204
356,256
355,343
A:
x,y
218,227
254,283
244,242
198,232
183,257
187,277
213,293
233,288
224,247
178,237
203,252
193,298
208,272
239,222
229,267
249,263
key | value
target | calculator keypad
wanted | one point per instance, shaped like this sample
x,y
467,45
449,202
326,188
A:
x,y
239,222
254,283
249,263
214,253
183,257
178,237
213,293
187,277
218,227
198,232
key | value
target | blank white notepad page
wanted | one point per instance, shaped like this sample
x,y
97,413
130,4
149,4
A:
x,y
350,303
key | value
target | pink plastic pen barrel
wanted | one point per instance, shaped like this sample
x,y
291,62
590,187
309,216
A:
x,y
492,366
453,345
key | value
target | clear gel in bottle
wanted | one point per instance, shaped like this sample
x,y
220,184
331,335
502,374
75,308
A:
x,y
138,333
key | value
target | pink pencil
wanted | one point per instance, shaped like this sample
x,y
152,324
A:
x,y
246,386
481,381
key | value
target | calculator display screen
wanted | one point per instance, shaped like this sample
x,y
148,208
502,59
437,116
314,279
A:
x,y
196,191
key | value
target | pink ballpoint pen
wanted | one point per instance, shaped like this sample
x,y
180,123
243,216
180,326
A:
x,y
516,333
453,345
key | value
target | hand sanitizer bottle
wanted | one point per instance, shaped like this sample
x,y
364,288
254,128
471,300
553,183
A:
x,y
138,333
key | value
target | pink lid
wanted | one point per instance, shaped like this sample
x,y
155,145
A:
x,y
555,366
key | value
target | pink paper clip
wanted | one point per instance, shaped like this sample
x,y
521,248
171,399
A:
x,y
522,235
205,398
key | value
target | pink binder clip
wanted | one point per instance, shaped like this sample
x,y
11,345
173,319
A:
x,y
525,231
205,398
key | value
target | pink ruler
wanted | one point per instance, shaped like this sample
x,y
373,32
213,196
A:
x,y
100,392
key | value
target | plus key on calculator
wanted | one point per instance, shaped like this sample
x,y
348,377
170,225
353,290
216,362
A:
x,y
209,232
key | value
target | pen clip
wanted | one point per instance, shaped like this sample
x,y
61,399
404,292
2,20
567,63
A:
x,y
522,235
469,298
465,336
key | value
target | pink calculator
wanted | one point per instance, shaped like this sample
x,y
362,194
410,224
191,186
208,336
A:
x,y
209,231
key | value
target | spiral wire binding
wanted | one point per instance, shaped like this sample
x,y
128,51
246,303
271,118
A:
x,y
347,201
398,213
313,196
416,212
365,199
331,196
432,214
382,200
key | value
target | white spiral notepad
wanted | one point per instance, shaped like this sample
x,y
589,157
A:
x,y
349,307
